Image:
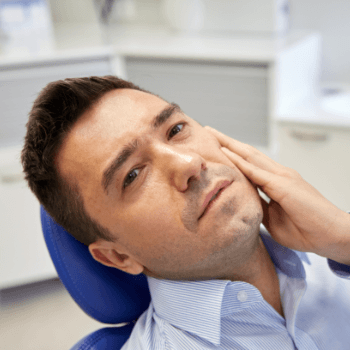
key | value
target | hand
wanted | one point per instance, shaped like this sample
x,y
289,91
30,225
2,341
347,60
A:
x,y
298,216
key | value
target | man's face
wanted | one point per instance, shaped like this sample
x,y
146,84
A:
x,y
153,202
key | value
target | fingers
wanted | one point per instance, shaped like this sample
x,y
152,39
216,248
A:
x,y
230,143
259,176
270,183
247,152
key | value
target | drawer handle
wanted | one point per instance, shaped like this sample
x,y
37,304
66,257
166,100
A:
x,y
304,136
7,179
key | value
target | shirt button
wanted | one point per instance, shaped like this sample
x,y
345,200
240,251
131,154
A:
x,y
242,296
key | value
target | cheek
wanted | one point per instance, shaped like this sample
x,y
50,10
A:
x,y
157,219
149,224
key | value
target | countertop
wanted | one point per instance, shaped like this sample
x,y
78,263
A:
x,y
71,41
331,111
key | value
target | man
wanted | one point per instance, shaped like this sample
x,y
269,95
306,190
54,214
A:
x,y
133,177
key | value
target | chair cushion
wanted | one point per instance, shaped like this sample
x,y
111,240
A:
x,y
105,338
105,293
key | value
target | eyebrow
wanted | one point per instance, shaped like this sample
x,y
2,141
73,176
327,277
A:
x,y
129,149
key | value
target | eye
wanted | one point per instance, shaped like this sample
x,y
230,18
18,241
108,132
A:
x,y
128,177
175,127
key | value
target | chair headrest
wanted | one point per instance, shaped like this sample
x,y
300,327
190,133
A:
x,y
105,293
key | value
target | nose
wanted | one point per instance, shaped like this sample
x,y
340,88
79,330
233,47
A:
x,y
180,166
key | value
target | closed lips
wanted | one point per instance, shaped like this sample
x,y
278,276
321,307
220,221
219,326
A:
x,y
212,195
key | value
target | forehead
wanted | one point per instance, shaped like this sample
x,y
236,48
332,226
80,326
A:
x,y
101,131
118,115
119,111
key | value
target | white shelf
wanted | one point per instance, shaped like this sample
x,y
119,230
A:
x,y
70,43
87,40
161,42
314,115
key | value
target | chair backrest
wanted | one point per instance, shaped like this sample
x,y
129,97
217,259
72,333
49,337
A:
x,y
104,293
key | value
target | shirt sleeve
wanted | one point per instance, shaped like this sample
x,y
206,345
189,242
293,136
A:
x,y
341,270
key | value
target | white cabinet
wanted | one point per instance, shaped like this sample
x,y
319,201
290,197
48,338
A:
x,y
321,155
24,257
20,84
23,254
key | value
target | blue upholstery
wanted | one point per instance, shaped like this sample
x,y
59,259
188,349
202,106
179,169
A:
x,y
105,338
104,293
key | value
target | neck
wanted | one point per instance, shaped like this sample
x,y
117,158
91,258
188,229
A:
x,y
261,273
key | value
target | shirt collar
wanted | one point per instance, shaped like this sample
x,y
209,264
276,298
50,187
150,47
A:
x,y
195,306
287,260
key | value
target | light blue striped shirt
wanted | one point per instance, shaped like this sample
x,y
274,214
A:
x,y
220,314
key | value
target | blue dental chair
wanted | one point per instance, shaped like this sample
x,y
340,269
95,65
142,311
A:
x,y
104,293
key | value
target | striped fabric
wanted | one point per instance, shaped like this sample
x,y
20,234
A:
x,y
220,314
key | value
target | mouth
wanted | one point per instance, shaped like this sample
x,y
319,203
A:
x,y
213,196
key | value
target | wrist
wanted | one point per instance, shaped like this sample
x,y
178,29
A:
x,y
339,249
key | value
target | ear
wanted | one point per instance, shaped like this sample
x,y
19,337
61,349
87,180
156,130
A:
x,y
112,255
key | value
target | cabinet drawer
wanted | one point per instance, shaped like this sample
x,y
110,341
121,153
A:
x,y
232,98
322,157
24,257
19,86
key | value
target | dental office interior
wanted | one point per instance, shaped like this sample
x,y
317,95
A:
x,y
271,73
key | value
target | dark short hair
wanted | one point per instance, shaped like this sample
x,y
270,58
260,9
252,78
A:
x,y
55,111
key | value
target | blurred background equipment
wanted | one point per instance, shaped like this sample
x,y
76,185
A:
x,y
184,15
26,26
272,73
249,16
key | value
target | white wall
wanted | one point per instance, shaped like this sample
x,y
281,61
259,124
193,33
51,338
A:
x,y
72,11
147,11
332,19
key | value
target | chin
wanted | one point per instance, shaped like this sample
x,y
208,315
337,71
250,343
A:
x,y
253,213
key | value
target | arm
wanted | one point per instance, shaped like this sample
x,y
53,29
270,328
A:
x,y
298,216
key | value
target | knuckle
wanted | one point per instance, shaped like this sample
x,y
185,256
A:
x,y
290,172
250,172
294,172
250,148
251,153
